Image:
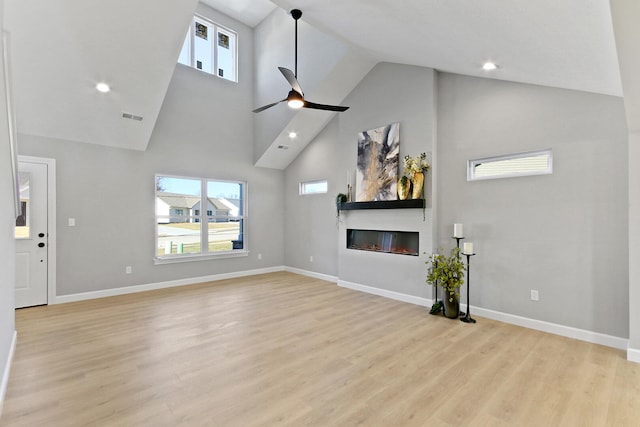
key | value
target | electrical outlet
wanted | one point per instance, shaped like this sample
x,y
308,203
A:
x,y
72,222
128,269
534,295
311,258
259,256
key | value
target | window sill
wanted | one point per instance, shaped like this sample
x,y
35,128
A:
x,y
199,257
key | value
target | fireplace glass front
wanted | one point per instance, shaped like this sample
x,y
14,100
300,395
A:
x,y
394,242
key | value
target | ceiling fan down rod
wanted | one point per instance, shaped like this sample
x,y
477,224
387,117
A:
x,y
296,14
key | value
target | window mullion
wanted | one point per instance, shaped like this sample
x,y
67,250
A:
x,y
204,220
214,46
192,42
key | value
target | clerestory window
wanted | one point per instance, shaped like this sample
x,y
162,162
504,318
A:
x,y
211,48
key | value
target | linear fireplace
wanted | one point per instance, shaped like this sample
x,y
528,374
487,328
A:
x,y
394,242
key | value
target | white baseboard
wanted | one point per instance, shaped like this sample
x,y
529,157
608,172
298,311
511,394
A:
x,y
7,369
161,285
425,302
313,274
552,328
633,355
539,325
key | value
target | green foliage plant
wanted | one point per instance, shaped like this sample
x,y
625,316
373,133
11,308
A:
x,y
446,272
340,199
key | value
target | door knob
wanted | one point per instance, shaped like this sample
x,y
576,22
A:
x,y
41,245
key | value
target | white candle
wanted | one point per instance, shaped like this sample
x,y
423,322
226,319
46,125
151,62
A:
x,y
457,230
467,248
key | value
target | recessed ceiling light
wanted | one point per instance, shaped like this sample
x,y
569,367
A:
x,y
292,134
489,66
103,87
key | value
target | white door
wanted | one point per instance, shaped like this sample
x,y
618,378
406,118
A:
x,y
31,236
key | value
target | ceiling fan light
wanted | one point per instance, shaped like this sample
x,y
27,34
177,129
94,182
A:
x,y
295,103
295,100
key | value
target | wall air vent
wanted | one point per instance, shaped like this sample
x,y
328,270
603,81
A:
x,y
131,117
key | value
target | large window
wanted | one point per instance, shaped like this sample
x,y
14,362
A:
x,y
211,48
184,232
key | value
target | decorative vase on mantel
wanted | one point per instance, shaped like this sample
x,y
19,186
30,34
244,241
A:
x,y
404,185
417,180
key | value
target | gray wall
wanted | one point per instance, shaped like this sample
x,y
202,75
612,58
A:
x,y
563,234
389,93
311,224
7,224
625,14
202,131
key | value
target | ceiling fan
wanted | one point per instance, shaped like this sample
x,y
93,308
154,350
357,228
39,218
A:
x,y
295,99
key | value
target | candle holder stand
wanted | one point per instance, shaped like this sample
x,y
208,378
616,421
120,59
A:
x,y
349,197
462,313
466,318
436,307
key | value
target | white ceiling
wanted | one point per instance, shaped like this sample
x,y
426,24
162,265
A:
x,y
249,12
560,43
62,48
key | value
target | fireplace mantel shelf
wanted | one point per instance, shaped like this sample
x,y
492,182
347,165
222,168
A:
x,y
383,204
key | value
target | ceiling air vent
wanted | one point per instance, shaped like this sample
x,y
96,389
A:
x,y
131,117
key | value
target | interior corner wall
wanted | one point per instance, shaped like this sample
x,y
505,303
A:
x,y
7,224
203,130
563,234
388,93
311,229
625,15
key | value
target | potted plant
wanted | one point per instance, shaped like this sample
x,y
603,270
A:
x,y
340,199
448,273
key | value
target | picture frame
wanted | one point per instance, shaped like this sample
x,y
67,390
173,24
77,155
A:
x,y
11,120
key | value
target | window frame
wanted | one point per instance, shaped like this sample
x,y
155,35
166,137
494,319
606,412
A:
x,y
214,29
203,220
303,184
473,163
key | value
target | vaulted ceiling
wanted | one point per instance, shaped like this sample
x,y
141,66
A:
x,y
62,48
567,44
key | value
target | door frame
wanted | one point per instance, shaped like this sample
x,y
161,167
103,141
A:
x,y
51,221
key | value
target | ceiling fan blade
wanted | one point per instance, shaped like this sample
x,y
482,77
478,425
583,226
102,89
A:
x,y
291,78
315,106
264,107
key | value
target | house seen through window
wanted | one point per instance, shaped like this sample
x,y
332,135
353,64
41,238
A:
x,y
211,48
181,228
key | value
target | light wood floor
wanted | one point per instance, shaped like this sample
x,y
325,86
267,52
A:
x,y
283,349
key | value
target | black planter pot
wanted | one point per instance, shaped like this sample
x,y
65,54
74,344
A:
x,y
451,308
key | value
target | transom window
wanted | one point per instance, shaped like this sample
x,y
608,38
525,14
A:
x,y
184,232
313,187
511,165
211,48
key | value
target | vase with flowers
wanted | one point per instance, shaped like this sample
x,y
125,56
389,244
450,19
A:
x,y
415,168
